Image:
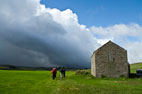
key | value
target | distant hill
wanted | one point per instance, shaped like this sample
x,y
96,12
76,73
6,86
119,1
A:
x,y
12,67
135,66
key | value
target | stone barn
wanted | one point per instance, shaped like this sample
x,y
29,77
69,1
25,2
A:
x,y
110,60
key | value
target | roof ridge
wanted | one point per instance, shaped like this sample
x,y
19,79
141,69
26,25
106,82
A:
x,y
106,44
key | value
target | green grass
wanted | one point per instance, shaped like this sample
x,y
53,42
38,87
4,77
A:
x,y
135,66
40,82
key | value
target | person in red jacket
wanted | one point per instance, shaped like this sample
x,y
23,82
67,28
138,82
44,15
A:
x,y
53,72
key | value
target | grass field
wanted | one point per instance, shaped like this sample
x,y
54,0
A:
x,y
40,82
136,66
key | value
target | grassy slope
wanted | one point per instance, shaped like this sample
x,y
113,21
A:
x,y
40,82
135,66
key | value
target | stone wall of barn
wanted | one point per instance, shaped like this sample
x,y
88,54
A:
x,y
110,61
93,67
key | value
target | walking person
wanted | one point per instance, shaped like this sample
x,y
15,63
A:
x,y
62,73
53,72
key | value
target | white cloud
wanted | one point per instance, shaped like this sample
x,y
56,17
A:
x,y
103,41
54,37
128,36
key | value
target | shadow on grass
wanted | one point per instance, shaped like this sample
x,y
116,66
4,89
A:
x,y
134,75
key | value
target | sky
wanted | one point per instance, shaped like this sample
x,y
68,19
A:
x,y
51,33
101,12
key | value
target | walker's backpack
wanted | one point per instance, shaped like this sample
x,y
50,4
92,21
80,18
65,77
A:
x,y
53,71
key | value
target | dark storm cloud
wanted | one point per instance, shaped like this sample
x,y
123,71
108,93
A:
x,y
23,49
27,39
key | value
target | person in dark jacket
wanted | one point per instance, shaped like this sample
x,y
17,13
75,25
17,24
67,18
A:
x,y
53,72
62,73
